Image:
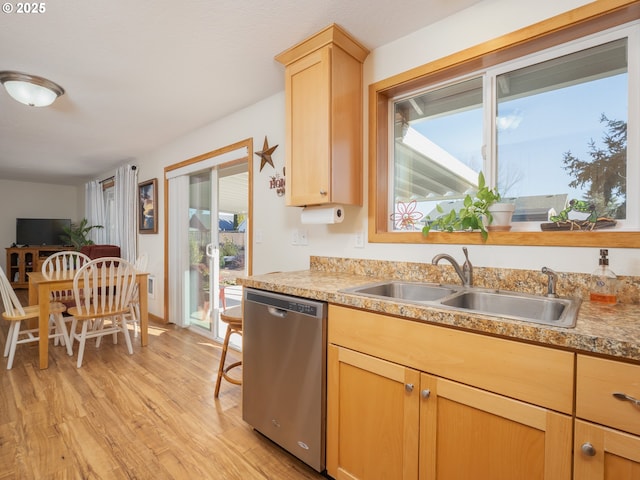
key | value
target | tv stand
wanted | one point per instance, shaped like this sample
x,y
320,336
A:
x,y
25,259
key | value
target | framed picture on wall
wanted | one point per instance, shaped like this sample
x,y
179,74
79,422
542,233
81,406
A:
x,y
148,212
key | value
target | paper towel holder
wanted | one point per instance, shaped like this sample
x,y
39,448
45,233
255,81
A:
x,y
322,214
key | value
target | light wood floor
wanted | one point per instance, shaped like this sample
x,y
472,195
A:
x,y
150,415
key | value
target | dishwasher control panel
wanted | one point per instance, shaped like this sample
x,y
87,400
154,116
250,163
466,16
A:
x,y
288,303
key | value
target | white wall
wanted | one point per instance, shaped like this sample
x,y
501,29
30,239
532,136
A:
x,y
481,22
35,200
274,222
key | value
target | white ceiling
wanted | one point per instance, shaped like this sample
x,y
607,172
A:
x,y
141,73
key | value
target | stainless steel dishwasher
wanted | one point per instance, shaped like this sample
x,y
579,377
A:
x,y
284,359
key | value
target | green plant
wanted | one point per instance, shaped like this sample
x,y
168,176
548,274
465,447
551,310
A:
x,y
228,248
76,234
473,215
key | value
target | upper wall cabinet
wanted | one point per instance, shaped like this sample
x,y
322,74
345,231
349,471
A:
x,y
323,87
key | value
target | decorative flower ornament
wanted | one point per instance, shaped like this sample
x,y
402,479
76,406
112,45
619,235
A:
x,y
405,216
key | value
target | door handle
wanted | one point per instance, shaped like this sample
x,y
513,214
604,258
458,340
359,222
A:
x,y
628,398
277,312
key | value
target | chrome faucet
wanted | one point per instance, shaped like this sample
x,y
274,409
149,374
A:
x,y
552,281
465,273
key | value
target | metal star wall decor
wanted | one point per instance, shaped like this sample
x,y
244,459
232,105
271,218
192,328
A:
x,y
265,154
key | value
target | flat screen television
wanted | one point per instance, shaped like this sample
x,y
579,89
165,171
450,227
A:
x,y
41,231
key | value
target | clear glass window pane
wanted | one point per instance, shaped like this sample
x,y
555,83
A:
x,y
437,151
108,195
199,305
561,133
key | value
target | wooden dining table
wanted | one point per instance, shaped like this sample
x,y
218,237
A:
x,y
40,287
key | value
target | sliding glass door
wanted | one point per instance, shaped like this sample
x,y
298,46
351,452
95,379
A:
x,y
200,234
217,238
208,244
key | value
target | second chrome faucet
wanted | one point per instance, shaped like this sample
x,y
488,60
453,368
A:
x,y
465,272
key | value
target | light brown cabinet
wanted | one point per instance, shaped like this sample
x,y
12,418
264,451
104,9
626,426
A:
x,y
467,432
373,417
607,428
409,400
323,90
22,260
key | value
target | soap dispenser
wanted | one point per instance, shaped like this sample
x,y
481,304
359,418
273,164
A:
x,y
603,281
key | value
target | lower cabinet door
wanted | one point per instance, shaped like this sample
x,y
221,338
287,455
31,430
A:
x,y
469,433
372,417
602,453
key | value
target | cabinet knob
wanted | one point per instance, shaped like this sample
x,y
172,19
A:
x,y
588,449
323,192
408,387
426,393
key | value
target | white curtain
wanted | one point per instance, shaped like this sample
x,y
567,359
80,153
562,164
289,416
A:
x,y
126,204
94,211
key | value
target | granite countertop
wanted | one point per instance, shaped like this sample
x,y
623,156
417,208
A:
x,y
611,330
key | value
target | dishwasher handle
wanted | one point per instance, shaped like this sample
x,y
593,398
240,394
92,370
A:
x,y
277,312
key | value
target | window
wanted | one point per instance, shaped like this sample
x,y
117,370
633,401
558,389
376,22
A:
x,y
546,125
437,150
108,195
559,133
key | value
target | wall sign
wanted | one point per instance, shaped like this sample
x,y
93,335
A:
x,y
277,182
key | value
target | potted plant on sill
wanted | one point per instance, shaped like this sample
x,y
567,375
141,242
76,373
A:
x,y
479,212
501,213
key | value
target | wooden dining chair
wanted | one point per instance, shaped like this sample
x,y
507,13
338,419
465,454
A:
x,y
62,262
16,314
103,289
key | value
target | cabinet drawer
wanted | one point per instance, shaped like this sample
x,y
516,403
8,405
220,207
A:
x,y
597,380
534,374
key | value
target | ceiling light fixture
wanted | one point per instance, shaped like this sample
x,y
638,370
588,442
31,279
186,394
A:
x,y
30,89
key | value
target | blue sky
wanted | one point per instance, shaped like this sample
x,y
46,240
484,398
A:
x,y
544,127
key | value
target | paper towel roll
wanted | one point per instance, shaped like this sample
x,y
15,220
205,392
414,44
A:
x,y
322,214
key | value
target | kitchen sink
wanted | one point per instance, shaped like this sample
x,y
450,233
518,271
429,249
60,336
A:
x,y
560,312
408,291
548,310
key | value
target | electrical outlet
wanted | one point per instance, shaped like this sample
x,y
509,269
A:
x,y
295,237
303,238
359,240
